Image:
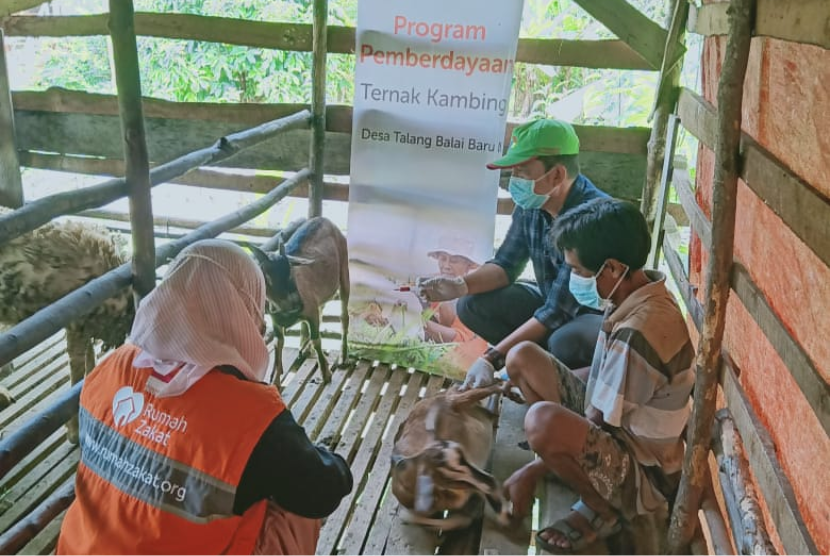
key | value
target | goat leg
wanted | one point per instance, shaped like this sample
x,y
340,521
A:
x,y
314,333
344,308
279,334
76,347
466,398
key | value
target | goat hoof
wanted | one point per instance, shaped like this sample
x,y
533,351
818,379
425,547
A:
x,y
72,436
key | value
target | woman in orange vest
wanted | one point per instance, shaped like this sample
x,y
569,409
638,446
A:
x,y
184,448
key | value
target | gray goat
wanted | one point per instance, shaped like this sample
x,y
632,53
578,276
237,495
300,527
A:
x,y
309,267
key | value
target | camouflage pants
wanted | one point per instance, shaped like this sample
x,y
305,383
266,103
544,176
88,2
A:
x,y
604,458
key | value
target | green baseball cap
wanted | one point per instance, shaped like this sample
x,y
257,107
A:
x,y
538,138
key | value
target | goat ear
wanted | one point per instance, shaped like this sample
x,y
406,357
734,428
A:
x,y
298,261
260,256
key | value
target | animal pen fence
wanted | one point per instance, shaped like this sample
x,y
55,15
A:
x,y
314,141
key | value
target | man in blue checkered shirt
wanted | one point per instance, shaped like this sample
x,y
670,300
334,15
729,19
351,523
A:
x,y
496,305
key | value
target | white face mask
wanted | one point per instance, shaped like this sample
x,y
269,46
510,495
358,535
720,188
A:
x,y
585,290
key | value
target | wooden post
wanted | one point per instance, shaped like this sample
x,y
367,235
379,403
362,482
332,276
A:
x,y
716,293
137,163
665,100
11,186
747,523
318,107
666,175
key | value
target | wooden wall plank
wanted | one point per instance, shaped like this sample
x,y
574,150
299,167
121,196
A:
x,y
815,389
777,490
773,482
612,54
13,6
802,21
806,375
803,209
646,37
621,175
631,140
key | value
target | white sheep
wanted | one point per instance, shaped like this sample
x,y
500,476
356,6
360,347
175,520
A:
x,y
40,267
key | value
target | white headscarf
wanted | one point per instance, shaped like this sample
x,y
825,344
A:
x,y
208,311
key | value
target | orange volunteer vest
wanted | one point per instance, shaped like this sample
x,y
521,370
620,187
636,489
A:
x,y
159,475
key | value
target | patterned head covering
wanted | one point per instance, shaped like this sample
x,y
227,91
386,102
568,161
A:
x,y
206,312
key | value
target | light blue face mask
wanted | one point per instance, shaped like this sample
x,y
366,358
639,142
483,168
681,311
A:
x,y
585,290
521,190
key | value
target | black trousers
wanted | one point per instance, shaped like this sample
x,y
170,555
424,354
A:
x,y
496,314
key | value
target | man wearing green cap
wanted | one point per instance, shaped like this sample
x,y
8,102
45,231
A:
x,y
546,182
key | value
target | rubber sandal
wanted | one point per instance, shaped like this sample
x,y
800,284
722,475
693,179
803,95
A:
x,y
577,540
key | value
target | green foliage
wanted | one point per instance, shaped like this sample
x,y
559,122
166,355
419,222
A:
x,y
193,71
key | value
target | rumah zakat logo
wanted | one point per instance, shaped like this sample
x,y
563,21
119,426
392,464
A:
x,y
126,406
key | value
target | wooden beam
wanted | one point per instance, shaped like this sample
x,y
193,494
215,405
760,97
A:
x,y
688,291
621,175
137,165
716,294
318,107
16,537
37,213
298,37
11,186
627,140
35,329
700,224
9,7
184,223
812,384
665,99
18,444
583,53
802,208
773,482
802,21
698,116
624,20
745,516
659,208
58,99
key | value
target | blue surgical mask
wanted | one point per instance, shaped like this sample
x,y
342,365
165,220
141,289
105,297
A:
x,y
521,190
585,290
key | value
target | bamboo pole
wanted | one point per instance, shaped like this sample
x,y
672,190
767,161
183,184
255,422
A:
x,y
11,186
136,159
29,333
668,91
748,529
716,293
19,443
318,107
37,213
185,223
33,523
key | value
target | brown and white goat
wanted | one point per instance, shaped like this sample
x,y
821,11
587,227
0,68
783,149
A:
x,y
311,265
40,267
438,459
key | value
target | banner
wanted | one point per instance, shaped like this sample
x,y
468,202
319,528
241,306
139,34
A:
x,y
432,85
